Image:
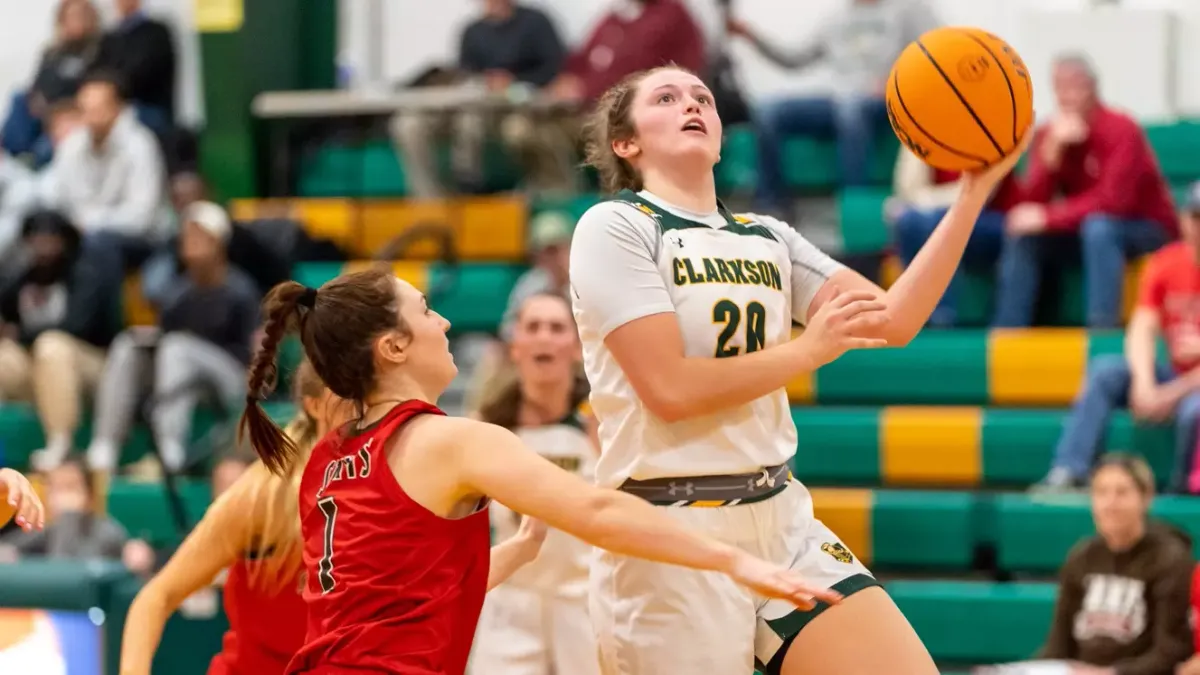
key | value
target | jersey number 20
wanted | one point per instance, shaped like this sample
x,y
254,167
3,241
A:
x,y
728,313
325,566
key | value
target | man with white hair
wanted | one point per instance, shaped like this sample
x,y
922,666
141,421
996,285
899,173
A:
x,y
202,344
1092,175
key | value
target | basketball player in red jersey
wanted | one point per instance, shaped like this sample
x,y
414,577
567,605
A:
x,y
393,505
19,500
251,531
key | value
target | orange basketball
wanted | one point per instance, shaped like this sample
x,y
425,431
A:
x,y
960,98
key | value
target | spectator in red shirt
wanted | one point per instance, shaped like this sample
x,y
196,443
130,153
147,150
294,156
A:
x,y
1093,174
1192,665
1168,306
921,195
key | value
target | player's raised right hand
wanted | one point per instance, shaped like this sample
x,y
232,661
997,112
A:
x,y
849,320
773,581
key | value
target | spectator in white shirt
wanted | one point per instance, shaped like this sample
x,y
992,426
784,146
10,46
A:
x,y
108,176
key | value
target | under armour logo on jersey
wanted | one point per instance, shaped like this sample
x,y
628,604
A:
x,y
765,479
674,489
676,240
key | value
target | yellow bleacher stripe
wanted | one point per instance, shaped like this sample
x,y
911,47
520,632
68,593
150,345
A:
x,y
707,503
330,219
137,311
930,445
1036,366
1133,273
803,388
414,272
492,228
384,220
890,270
848,513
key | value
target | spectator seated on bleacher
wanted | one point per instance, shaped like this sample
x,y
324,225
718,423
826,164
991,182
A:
x,y
1094,176
73,52
922,195
550,254
859,44
18,196
74,529
142,53
57,316
633,35
1123,594
207,321
512,46
1167,299
108,176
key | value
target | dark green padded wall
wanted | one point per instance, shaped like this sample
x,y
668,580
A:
x,y
281,45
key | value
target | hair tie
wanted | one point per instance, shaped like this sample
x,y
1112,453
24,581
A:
x,y
308,298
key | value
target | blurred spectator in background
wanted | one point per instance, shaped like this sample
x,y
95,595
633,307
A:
x,y
1092,174
634,35
859,43
108,176
18,196
550,249
921,197
74,529
201,346
510,46
142,52
1192,665
1168,307
56,318
1123,594
65,62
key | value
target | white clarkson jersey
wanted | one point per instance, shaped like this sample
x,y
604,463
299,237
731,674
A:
x,y
734,283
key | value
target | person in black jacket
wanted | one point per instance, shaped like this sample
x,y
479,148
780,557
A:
x,y
57,316
142,51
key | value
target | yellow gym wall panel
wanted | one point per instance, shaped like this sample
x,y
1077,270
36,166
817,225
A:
x,y
847,512
415,272
384,220
492,228
1036,366
930,445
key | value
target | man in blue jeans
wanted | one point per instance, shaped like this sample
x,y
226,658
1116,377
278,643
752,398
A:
x,y
1092,175
1168,306
859,44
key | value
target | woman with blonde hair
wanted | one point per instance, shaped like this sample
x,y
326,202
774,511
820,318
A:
x,y
253,531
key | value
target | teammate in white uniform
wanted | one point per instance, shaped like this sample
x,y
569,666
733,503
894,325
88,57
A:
x,y
536,623
685,313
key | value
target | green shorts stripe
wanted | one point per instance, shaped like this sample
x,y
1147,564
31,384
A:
x,y
788,627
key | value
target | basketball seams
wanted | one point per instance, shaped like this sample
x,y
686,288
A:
x,y
917,125
962,99
1012,97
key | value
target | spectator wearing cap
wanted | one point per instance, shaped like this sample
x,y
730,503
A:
x,y
56,317
108,175
1092,175
207,320
1168,307
550,245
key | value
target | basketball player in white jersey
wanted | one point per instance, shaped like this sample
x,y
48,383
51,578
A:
x,y
536,623
685,312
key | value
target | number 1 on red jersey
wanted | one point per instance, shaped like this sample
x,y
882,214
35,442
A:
x,y
325,567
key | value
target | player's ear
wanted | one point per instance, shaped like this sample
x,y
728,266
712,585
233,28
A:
x,y
392,348
626,149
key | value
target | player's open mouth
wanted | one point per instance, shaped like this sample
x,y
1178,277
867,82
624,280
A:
x,y
543,358
696,125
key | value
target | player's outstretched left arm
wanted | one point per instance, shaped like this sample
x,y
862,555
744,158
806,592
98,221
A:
x,y
20,501
912,299
490,460
516,552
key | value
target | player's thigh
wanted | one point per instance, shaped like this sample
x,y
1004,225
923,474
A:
x,y
511,639
573,647
864,635
656,619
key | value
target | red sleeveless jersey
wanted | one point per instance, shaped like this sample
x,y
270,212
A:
x,y
266,626
391,588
